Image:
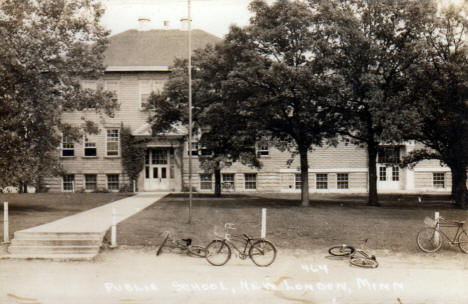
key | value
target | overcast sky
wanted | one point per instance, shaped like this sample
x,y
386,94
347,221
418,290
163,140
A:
x,y
213,16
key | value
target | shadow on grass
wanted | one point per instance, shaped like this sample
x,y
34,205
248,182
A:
x,y
354,201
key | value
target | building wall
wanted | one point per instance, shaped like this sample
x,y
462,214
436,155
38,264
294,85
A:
x,y
278,173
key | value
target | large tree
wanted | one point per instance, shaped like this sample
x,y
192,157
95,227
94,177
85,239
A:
x,y
377,42
440,98
46,47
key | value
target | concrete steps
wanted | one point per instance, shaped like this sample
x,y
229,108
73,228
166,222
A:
x,y
67,245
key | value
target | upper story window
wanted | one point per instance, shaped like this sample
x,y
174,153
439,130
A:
x,y
146,86
389,155
262,150
322,181
90,148
194,148
113,86
68,147
438,180
113,142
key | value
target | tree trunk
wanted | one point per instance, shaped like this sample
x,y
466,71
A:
x,y
373,199
217,173
459,189
304,176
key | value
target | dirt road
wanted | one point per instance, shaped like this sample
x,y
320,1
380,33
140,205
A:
x,y
130,276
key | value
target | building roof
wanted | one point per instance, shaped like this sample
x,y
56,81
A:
x,y
133,49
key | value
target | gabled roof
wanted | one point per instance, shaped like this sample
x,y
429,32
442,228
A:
x,y
176,130
153,48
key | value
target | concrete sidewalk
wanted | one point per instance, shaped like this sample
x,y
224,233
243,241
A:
x,y
78,236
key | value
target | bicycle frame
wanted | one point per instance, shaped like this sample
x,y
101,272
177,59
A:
x,y
460,229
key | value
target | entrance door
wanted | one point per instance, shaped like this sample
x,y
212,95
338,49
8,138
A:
x,y
388,177
157,169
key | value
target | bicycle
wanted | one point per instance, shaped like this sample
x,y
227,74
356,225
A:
x,y
357,256
429,239
262,252
185,245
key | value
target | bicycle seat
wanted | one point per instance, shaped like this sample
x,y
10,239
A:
x,y
459,222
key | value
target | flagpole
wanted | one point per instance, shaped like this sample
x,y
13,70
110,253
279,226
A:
x,y
189,22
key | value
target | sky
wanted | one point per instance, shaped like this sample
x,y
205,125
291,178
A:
x,y
213,16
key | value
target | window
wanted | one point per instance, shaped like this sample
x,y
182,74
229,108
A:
x,y
250,181
342,181
90,182
262,150
322,181
89,147
389,155
68,148
298,181
113,181
228,181
113,86
194,149
68,182
158,157
205,182
147,86
395,173
382,174
438,180
113,142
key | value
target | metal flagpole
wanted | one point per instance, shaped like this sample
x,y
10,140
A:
x,y
189,22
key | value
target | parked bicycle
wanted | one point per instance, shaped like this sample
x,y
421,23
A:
x,y
430,239
357,256
259,250
185,245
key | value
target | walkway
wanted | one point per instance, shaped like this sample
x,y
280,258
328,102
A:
x,y
78,236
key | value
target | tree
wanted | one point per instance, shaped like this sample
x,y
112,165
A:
x,y
46,47
223,135
377,42
440,98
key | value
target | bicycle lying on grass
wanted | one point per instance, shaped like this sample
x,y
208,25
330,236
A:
x,y
260,251
185,245
357,256
430,239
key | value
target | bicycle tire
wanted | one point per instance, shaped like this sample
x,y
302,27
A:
x,y
364,262
463,241
198,251
158,252
261,249
218,253
343,250
426,240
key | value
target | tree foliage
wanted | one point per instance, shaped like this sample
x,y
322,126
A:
x,y
377,42
133,153
46,47
440,98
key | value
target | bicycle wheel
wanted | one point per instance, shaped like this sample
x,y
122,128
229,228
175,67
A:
x,y
198,251
429,240
217,253
463,241
364,262
162,245
262,253
343,250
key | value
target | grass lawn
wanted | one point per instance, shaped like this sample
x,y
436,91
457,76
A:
x,y
29,210
330,220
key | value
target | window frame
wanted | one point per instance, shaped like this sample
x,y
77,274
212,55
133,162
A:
x,y
87,142
113,182
231,183
70,147
262,150
204,182
67,182
112,141
249,182
320,182
87,182
342,183
298,181
436,181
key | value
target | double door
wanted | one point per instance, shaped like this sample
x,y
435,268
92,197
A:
x,y
157,175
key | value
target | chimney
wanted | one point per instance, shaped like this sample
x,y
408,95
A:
x,y
184,24
143,23
166,24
